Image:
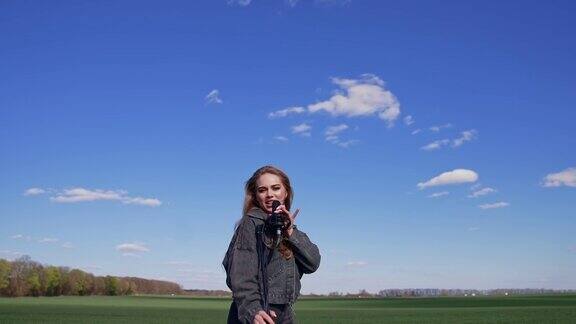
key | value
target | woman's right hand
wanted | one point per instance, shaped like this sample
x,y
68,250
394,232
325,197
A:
x,y
262,318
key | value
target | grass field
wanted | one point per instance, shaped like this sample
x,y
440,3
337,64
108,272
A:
x,y
164,309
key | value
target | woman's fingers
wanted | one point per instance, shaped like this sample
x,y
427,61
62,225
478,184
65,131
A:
x,y
263,318
273,313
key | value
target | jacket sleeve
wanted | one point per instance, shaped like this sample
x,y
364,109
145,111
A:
x,y
244,272
306,253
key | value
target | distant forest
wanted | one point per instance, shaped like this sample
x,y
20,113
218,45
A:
x,y
25,277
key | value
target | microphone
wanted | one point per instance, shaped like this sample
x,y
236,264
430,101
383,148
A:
x,y
276,220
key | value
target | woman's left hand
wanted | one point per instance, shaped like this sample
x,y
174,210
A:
x,y
282,209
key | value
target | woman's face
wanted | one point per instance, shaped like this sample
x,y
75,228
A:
x,y
269,187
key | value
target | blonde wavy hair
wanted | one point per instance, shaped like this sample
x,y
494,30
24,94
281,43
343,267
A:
x,y
251,201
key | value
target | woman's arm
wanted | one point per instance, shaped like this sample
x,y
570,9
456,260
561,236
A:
x,y
306,253
244,272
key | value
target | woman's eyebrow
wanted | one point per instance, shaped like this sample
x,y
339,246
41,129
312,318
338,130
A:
x,y
274,185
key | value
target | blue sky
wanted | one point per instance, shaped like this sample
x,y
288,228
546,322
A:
x,y
429,145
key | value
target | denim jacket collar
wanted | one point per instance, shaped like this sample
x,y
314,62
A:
x,y
256,212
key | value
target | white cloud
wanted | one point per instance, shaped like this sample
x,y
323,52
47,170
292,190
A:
x,y
334,130
213,97
408,120
81,194
67,245
75,195
438,194
286,112
416,131
281,138
473,229
48,240
21,237
435,145
500,204
10,255
132,255
357,263
332,136
241,3
291,3
332,2
475,186
151,202
34,191
366,96
566,177
465,136
132,247
347,144
302,129
481,192
451,177
440,127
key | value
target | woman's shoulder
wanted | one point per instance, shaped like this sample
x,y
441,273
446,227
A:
x,y
246,233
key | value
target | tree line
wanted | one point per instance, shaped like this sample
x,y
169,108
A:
x,y
25,277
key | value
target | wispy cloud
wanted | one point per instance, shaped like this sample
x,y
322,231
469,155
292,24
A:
x,y
48,240
365,96
332,2
451,177
281,138
34,191
302,129
21,237
566,177
332,134
151,202
416,131
287,111
241,3
8,254
335,130
213,97
408,120
348,143
130,249
438,128
439,194
465,136
67,245
500,204
132,255
482,192
357,263
435,145
76,195
291,3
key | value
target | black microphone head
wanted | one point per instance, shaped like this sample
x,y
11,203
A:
x,y
275,205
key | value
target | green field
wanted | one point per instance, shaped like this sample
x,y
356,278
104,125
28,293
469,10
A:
x,y
164,309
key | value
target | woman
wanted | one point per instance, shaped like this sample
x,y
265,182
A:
x,y
286,258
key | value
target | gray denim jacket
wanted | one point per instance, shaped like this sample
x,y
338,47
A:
x,y
242,272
